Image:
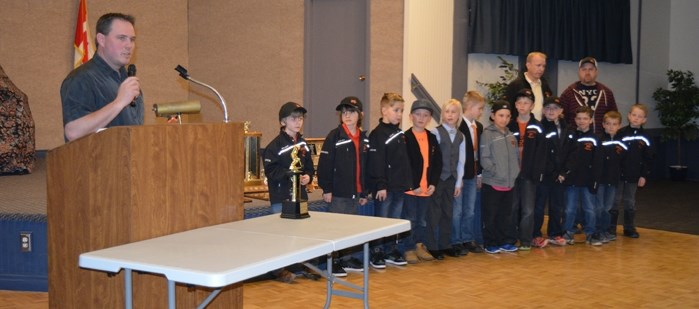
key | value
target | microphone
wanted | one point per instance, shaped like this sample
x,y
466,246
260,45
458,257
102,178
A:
x,y
183,73
131,71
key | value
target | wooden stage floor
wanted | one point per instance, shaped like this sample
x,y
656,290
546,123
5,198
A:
x,y
658,270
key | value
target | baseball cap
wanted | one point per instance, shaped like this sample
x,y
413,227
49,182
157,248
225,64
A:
x,y
524,93
422,104
288,108
350,101
553,100
500,104
587,60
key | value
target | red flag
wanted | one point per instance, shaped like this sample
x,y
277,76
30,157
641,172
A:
x,y
84,48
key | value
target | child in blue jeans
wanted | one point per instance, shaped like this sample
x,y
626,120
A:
x,y
580,174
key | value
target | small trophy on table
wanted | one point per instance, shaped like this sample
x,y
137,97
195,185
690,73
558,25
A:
x,y
295,207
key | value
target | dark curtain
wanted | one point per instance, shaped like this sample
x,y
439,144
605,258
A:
x,y
562,29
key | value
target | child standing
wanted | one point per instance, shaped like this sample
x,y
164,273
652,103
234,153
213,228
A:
x,y
389,173
550,190
453,148
341,171
635,167
466,221
277,159
531,146
498,148
613,151
426,165
277,156
580,175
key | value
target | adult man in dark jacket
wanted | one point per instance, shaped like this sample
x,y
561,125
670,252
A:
x,y
533,80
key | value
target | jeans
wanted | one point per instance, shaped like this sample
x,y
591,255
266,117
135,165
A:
x,y
276,208
524,196
415,209
463,223
605,202
553,194
391,207
576,196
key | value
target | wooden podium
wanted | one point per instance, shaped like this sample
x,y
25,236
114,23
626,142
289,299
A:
x,y
127,184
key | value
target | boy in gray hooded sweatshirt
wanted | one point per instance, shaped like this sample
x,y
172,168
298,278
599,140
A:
x,y
498,149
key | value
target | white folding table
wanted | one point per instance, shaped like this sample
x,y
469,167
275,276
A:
x,y
224,254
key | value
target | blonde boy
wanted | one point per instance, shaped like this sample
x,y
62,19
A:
x,y
389,173
466,219
635,167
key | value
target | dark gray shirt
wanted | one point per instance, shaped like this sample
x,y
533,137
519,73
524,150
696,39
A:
x,y
92,86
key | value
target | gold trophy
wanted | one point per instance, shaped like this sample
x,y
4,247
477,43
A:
x,y
295,208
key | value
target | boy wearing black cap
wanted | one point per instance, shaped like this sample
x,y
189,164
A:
x,y
277,156
498,148
531,146
277,159
341,169
550,190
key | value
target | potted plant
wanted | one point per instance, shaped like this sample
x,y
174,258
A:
x,y
678,109
497,89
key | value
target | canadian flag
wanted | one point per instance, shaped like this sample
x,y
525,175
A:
x,y
84,47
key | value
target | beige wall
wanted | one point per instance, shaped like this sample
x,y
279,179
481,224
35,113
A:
x,y
250,51
386,53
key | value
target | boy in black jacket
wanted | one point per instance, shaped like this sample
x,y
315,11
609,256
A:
x,y
277,156
341,169
277,159
550,190
426,164
635,167
389,173
580,174
531,146
613,151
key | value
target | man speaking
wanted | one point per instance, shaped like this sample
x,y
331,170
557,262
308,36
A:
x,y
101,93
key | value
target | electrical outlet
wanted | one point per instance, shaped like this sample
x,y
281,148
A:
x,y
25,240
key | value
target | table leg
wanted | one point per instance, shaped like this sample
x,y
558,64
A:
x,y
171,302
329,281
365,288
128,288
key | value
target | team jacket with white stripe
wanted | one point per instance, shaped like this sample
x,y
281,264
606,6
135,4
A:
x,y
555,144
337,165
639,157
582,160
613,152
533,164
277,158
388,166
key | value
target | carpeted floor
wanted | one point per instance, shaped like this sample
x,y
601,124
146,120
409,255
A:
x,y
662,204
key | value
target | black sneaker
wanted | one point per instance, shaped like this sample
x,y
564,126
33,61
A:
x,y
337,270
377,260
471,246
631,233
352,264
395,258
437,254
